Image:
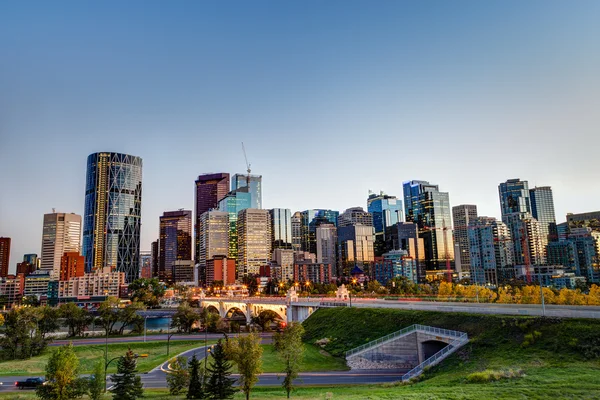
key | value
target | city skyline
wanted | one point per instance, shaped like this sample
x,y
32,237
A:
x,y
322,95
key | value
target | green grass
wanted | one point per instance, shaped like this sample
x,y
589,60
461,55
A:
x,y
314,360
89,354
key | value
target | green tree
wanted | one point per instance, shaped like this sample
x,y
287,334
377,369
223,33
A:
x,y
47,320
219,385
127,385
96,381
246,353
210,321
76,319
185,317
196,386
22,338
290,350
62,376
108,313
251,283
129,315
32,301
264,319
147,291
178,378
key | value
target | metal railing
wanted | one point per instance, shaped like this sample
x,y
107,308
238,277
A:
x,y
403,332
437,357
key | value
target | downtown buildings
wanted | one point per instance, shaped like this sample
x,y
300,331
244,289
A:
x,y
61,234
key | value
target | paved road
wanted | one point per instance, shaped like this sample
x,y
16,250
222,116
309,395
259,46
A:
x,y
149,338
157,377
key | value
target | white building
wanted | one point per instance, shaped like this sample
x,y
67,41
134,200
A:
x,y
61,233
101,283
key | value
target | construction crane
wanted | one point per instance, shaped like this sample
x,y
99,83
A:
x,y
247,163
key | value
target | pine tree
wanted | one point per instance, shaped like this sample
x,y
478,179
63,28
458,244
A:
x,y
196,388
219,385
127,385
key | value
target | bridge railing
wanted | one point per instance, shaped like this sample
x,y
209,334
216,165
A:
x,y
405,331
437,357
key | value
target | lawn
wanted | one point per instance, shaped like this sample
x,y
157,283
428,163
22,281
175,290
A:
x,y
90,354
314,360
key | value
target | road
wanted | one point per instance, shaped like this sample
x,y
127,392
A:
x,y
156,378
149,338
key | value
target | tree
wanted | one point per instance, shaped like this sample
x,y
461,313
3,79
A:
x,y
129,315
251,283
62,376
22,338
128,386
264,319
32,301
290,349
47,320
246,352
178,378
185,318
147,291
76,319
108,313
96,381
196,373
219,385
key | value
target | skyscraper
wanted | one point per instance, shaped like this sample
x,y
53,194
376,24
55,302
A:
x,y
61,234
514,197
175,241
254,241
326,238
213,238
72,265
353,216
386,211
297,231
254,187
4,256
234,202
155,252
281,222
210,189
491,251
430,210
112,220
310,220
355,248
462,216
542,209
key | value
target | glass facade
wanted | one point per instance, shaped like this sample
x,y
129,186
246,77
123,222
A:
x,y
310,220
462,216
112,220
542,208
386,211
281,232
491,251
514,197
175,241
210,189
233,203
240,181
254,241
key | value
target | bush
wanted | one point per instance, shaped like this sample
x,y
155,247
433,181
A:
x,y
490,375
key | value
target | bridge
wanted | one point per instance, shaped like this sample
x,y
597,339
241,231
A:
x,y
254,307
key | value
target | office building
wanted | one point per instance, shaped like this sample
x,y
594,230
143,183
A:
x,y
175,241
72,265
394,264
355,248
213,238
221,269
112,220
584,220
326,240
353,216
36,285
430,210
11,289
297,231
491,251
233,203
254,185
281,232
405,236
386,211
542,209
462,216
155,250
61,234
306,272
4,256
310,220
514,198
210,189
587,246
30,264
282,265
32,259
182,272
146,264
254,241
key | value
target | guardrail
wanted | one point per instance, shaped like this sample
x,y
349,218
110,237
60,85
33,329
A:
x,y
437,357
402,332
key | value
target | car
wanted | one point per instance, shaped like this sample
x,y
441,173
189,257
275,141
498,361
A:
x,y
30,383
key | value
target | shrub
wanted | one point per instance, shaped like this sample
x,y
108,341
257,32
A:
x,y
490,375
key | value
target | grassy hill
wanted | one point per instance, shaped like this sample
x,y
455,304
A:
x,y
558,357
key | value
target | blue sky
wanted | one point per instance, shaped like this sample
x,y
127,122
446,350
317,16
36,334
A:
x,y
331,98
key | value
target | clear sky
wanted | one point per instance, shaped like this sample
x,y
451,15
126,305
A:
x,y
331,98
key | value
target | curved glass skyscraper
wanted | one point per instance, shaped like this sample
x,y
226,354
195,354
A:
x,y
112,219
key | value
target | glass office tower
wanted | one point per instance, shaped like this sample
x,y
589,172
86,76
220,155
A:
x,y
233,203
175,241
112,220
310,220
240,181
281,231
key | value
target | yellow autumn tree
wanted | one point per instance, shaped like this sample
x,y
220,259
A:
x,y
505,296
593,298
445,289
